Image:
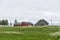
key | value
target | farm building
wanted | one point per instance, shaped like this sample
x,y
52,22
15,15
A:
x,y
24,24
17,24
41,23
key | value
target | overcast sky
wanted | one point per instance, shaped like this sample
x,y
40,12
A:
x,y
29,10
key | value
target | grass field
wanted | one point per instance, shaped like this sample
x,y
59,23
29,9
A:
x,y
29,33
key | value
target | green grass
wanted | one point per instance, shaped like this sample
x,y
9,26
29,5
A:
x,y
29,33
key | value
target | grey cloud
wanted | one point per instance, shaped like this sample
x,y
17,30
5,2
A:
x,y
29,8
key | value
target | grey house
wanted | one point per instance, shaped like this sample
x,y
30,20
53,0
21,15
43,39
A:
x,y
42,23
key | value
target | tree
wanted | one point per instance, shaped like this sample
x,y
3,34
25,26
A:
x,y
4,22
41,23
15,21
0,22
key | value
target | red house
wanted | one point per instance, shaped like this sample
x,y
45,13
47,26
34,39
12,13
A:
x,y
26,24
23,24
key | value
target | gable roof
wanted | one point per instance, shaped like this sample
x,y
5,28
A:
x,y
28,23
18,23
42,22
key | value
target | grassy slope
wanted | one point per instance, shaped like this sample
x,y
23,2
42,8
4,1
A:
x,y
35,33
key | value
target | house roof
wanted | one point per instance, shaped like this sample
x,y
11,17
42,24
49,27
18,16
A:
x,y
18,23
42,22
27,23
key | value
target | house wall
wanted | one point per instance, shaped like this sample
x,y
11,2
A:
x,y
25,24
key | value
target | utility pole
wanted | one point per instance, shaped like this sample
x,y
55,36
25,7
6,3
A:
x,y
51,20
